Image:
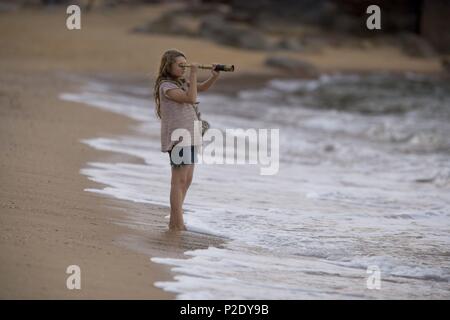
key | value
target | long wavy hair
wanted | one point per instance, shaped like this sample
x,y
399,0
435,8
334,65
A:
x,y
164,74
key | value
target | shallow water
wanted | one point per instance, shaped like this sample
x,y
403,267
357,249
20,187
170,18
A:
x,y
363,181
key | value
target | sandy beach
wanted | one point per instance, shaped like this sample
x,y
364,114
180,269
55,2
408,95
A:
x,y
48,221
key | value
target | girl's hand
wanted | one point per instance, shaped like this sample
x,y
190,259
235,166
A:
x,y
194,67
214,72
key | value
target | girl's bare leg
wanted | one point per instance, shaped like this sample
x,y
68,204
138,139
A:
x,y
177,194
189,175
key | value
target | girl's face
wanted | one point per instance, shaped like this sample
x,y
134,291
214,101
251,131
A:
x,y
177,71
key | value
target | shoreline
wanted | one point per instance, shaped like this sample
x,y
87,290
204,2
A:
x,y
48,221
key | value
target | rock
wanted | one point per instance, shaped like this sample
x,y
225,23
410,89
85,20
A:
x,y
446,64
293,66
170,23
205,8
9,7
415,46
212,24
263,11
250,39
346,23
434,23
292,44
217,29
366,44
313,43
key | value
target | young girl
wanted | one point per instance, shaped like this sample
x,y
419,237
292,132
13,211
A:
x,y
175,98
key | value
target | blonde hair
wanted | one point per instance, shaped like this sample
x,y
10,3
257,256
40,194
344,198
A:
x,y
164,74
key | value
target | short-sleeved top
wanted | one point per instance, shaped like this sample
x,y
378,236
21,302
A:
x,y
175,115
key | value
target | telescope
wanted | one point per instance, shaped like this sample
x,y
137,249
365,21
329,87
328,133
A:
x,y
218,67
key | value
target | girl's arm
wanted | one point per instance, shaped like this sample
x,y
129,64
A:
x,y
205,85
190,96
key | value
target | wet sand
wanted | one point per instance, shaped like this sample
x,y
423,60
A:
x,y
48,221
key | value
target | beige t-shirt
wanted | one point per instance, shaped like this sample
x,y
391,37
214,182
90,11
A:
x,y
176,115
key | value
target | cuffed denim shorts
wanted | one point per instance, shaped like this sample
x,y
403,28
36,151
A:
x,y
183,155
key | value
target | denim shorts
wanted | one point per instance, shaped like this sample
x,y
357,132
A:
x,y
183,155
